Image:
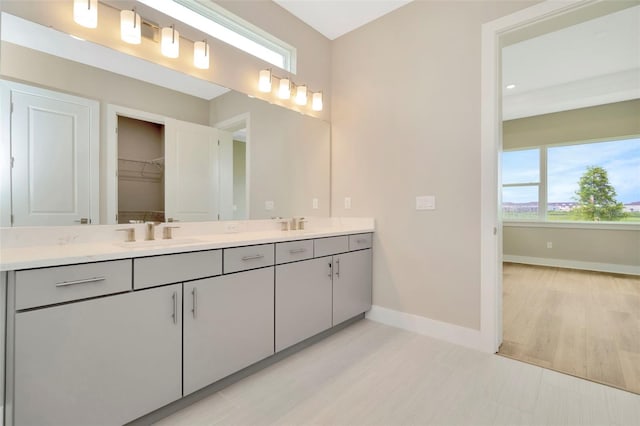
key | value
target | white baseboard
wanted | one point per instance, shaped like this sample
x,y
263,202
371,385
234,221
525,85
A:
x,y
437,329
574,264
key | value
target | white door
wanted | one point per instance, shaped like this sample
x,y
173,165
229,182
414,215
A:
x,y
191,172
226,175
54,149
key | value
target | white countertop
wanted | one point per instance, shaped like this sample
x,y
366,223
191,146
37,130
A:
x,y
24,248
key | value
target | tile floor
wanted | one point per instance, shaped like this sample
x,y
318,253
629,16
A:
x,y
373,374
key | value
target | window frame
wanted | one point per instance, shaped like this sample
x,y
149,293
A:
x,y
542,220
216,14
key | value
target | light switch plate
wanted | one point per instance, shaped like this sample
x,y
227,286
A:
x,y
315,203
269,205
425,202
347,202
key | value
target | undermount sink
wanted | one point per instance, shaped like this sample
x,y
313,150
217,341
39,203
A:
x,y
150,244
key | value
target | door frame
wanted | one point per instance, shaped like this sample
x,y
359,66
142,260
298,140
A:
x,y
230,123
490,148
109,164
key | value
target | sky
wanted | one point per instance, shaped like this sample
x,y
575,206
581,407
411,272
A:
x,y
566,164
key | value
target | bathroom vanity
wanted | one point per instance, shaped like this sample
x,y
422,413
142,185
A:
x,y
100,331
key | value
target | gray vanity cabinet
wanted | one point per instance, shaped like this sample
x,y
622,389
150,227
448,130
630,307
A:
x,y
101,361
303,300
228,325
351,284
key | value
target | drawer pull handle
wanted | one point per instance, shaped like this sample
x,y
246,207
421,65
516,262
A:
x,y
361,241
255,256
298,250
175,307
194,293
84,281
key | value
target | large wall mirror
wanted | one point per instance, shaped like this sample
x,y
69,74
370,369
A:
x,y
261,160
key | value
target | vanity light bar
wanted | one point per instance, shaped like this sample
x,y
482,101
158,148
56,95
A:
x,y
85,13
286,86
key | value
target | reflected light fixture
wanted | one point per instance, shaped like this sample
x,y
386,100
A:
x,y
264,82
201,54
85,13
285,88
301,95
130,27
511,86
316,101
170,43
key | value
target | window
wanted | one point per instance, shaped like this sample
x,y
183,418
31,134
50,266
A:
x,y
521,184
597,181
211,19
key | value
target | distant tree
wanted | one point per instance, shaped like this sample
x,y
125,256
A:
x,y
596,197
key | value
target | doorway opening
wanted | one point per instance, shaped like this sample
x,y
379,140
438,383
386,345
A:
x,y
140,171
571,287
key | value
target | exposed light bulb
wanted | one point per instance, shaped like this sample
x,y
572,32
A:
x,y
85,13
285,89
301,95
201,55
170,44
316,102
130,31
264,81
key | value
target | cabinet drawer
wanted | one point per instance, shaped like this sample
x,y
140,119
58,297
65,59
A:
x,y
294,250
251,257
359,241
46,286
174,268
331,245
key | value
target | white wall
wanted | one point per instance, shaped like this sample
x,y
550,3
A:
x,y
406,122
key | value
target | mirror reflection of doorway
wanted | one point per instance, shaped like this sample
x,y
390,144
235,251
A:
x,y
140,171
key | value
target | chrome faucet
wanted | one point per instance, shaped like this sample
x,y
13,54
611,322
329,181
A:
x,y
150,231
297,223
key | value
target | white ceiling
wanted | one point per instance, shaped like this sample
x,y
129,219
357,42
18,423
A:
x,y
591,63
333,18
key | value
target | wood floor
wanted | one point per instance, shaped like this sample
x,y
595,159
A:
x,y
373,374
583,323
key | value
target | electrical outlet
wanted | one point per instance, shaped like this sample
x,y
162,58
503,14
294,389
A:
x,y
315,203
347,203
549,244
269,205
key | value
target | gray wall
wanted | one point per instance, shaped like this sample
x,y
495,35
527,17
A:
x,y
406,122
583,245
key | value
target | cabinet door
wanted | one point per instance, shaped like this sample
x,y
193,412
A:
x,y
228,325
303,300
105,361
351,285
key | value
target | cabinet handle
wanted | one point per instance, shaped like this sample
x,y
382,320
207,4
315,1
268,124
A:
x,y
361,241
175,307
255,256
84,281
338,268
298,250
330,274
194,293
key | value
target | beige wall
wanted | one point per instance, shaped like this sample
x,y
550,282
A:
x,y
288,157
619,247
231,67
406,122
239,179
584,124
51,72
